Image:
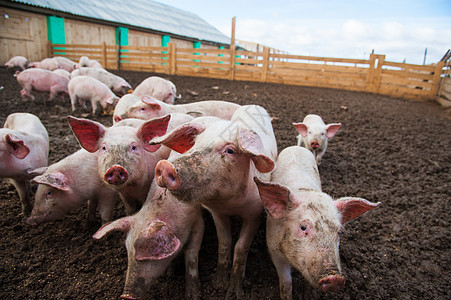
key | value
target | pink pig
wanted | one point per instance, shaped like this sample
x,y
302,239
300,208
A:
x,y
41,80
90,63
150,108
18,61
49,64
219,161
123,105
65,63
126,162
86,88
314,134
67,185
24,146
155,236
303,222
158,88
116,83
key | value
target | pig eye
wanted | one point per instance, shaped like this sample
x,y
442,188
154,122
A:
x,y
134,148
48,194
309,132
230,151
142,109
303,227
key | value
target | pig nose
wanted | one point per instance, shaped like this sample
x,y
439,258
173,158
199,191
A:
x,y
116,175
167,176
128,297
314,144
117,118
331,283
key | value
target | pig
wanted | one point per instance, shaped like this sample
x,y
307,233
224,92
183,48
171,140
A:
x,y
65,63
150,107
116,83
126,163
62,72
216,168
90,63
314,134
18,61
158,88
303,223
122,106
24,146
41,80
86,88
68,184
155,236
49,64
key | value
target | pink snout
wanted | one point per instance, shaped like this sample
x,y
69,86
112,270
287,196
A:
x,y
314,145
331,283
116,175
167,176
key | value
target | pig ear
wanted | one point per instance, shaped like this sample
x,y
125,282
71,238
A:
x,y
38,171
122,224
351,207
151,102
301,128
153,128
16,146
276,198
331,129
182,138
251,143
55,180
87,132
156,242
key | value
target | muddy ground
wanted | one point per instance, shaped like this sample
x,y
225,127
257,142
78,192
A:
x,y
389,150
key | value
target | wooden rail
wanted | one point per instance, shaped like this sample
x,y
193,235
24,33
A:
x,y
375,75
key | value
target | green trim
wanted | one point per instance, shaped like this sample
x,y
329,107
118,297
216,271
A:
x,y
123,41
56,32
165,40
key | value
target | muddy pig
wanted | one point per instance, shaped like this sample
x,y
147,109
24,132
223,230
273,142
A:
x,y
303,222
155,236
217,167
150,108
158,88
314,134
18,61
41,80
86,88
116,83
68,184
126,162
24,146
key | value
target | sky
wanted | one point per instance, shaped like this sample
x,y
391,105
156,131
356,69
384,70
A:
x,y
400,29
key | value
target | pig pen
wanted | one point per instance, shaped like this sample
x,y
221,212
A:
x,y
389,150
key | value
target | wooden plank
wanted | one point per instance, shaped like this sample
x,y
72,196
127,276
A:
x,y
145,49
183,57
202,64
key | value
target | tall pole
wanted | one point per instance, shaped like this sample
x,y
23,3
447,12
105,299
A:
x,y
232,51
425,54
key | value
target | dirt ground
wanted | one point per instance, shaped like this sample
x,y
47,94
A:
x,y
389,150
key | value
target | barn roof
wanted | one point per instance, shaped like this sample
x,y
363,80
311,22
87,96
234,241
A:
x,y
146,14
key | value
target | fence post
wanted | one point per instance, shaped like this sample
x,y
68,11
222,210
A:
x,y
265,64
436,79
232,51
49,49
370,80
104,57
378,73
172,58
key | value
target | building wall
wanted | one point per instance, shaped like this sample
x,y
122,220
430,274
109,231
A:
x,y
84,33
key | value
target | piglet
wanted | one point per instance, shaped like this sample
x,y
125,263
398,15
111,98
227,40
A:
x,y
49,64
116,83
24,146
90,63
314,134
158,88
18,61
68,184
86,88
62,72
303,222
122,107
155,236
65,63
41,80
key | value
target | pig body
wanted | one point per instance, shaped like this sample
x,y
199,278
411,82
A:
x,y
41,80
90,63
62,72
303,222
158,88
122,107
18,61
86,88
65,63
24,146
116,83
68,184
314,134
219,160
49,64
151,108
126,163
155,236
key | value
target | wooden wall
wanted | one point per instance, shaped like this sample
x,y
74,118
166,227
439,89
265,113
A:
x,y
84,33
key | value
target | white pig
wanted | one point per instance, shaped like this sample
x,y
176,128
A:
x,y
41,80
65,63
18,61
150,107
86,88
158,88
219,161
62,72
90,63
122,106
68,184
314,134
116,83
49,64
126,162
303,222
155,236
24,146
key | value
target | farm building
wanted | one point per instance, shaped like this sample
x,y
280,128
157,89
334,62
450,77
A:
x,y
27,26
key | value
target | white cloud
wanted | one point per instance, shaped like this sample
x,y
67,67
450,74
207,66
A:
x,y
354,30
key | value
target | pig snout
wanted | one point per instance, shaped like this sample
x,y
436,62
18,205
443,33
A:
x,y
129,297
331,283
315,145
117,118
167,176
116,175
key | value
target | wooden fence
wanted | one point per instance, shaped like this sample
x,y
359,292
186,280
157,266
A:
x,y
375,75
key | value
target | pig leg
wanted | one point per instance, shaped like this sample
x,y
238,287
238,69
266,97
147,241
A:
x,y
300,141
192,282
92,207
285,281
224,233
53,92
26,92
73,100
130,205
22,188
106,206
